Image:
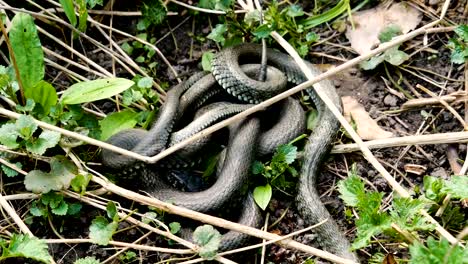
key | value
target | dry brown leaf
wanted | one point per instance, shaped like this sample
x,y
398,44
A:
x,y
415,169
369,23
389,259
367,128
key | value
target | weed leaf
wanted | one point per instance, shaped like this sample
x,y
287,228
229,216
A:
x,y
87,260
27,49
90,91
101,231
44,94
60,176
208,239
116,122
457,187
262,195
69,10
23,246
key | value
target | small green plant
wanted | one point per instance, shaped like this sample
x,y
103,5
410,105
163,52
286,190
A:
x,y
392,55
208,239
53,203
128,257
276,173
69,9
24,246
402,220
22,134
459,45
291,22
102,229
88,260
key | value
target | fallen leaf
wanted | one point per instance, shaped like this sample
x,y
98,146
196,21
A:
x,y
415,169
370,23
367,128
389,259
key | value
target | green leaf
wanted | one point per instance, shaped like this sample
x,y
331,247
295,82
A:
x,y
208,239
462,32
262,195
87,260
101,231
405,213
436,252
217,34
263,31
24,246
80,182
175,227
111,210
145,82
154,11
312,119
457,187
395,56
286,153
44,94
117,122
294,11
74,208
30,104
60,176
148,217
37,209
257,167
127,48
207,58
69,10
47,139
389,32
311,37
26,126
433,188
61,209
351,189
223,5
326,16
91,91
8,135
369,225
82,14
27,49
371,63
52,199
93,3
10,172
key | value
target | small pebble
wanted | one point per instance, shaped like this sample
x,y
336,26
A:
x,y
390,100
433,2
440,172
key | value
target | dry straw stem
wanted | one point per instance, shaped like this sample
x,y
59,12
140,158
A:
x,y
216,221
204,10
119,244
263,244
194,248
439,138
12,212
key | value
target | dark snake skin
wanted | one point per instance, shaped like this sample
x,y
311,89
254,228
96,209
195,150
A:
x,y
236,78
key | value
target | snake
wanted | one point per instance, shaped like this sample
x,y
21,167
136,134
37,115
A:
x,y
233,72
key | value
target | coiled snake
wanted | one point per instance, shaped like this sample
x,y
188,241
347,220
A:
x,y
231,73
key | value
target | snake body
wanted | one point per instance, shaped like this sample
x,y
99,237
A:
x,y
230,73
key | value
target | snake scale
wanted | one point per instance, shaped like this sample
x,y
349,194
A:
x,y
233,72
